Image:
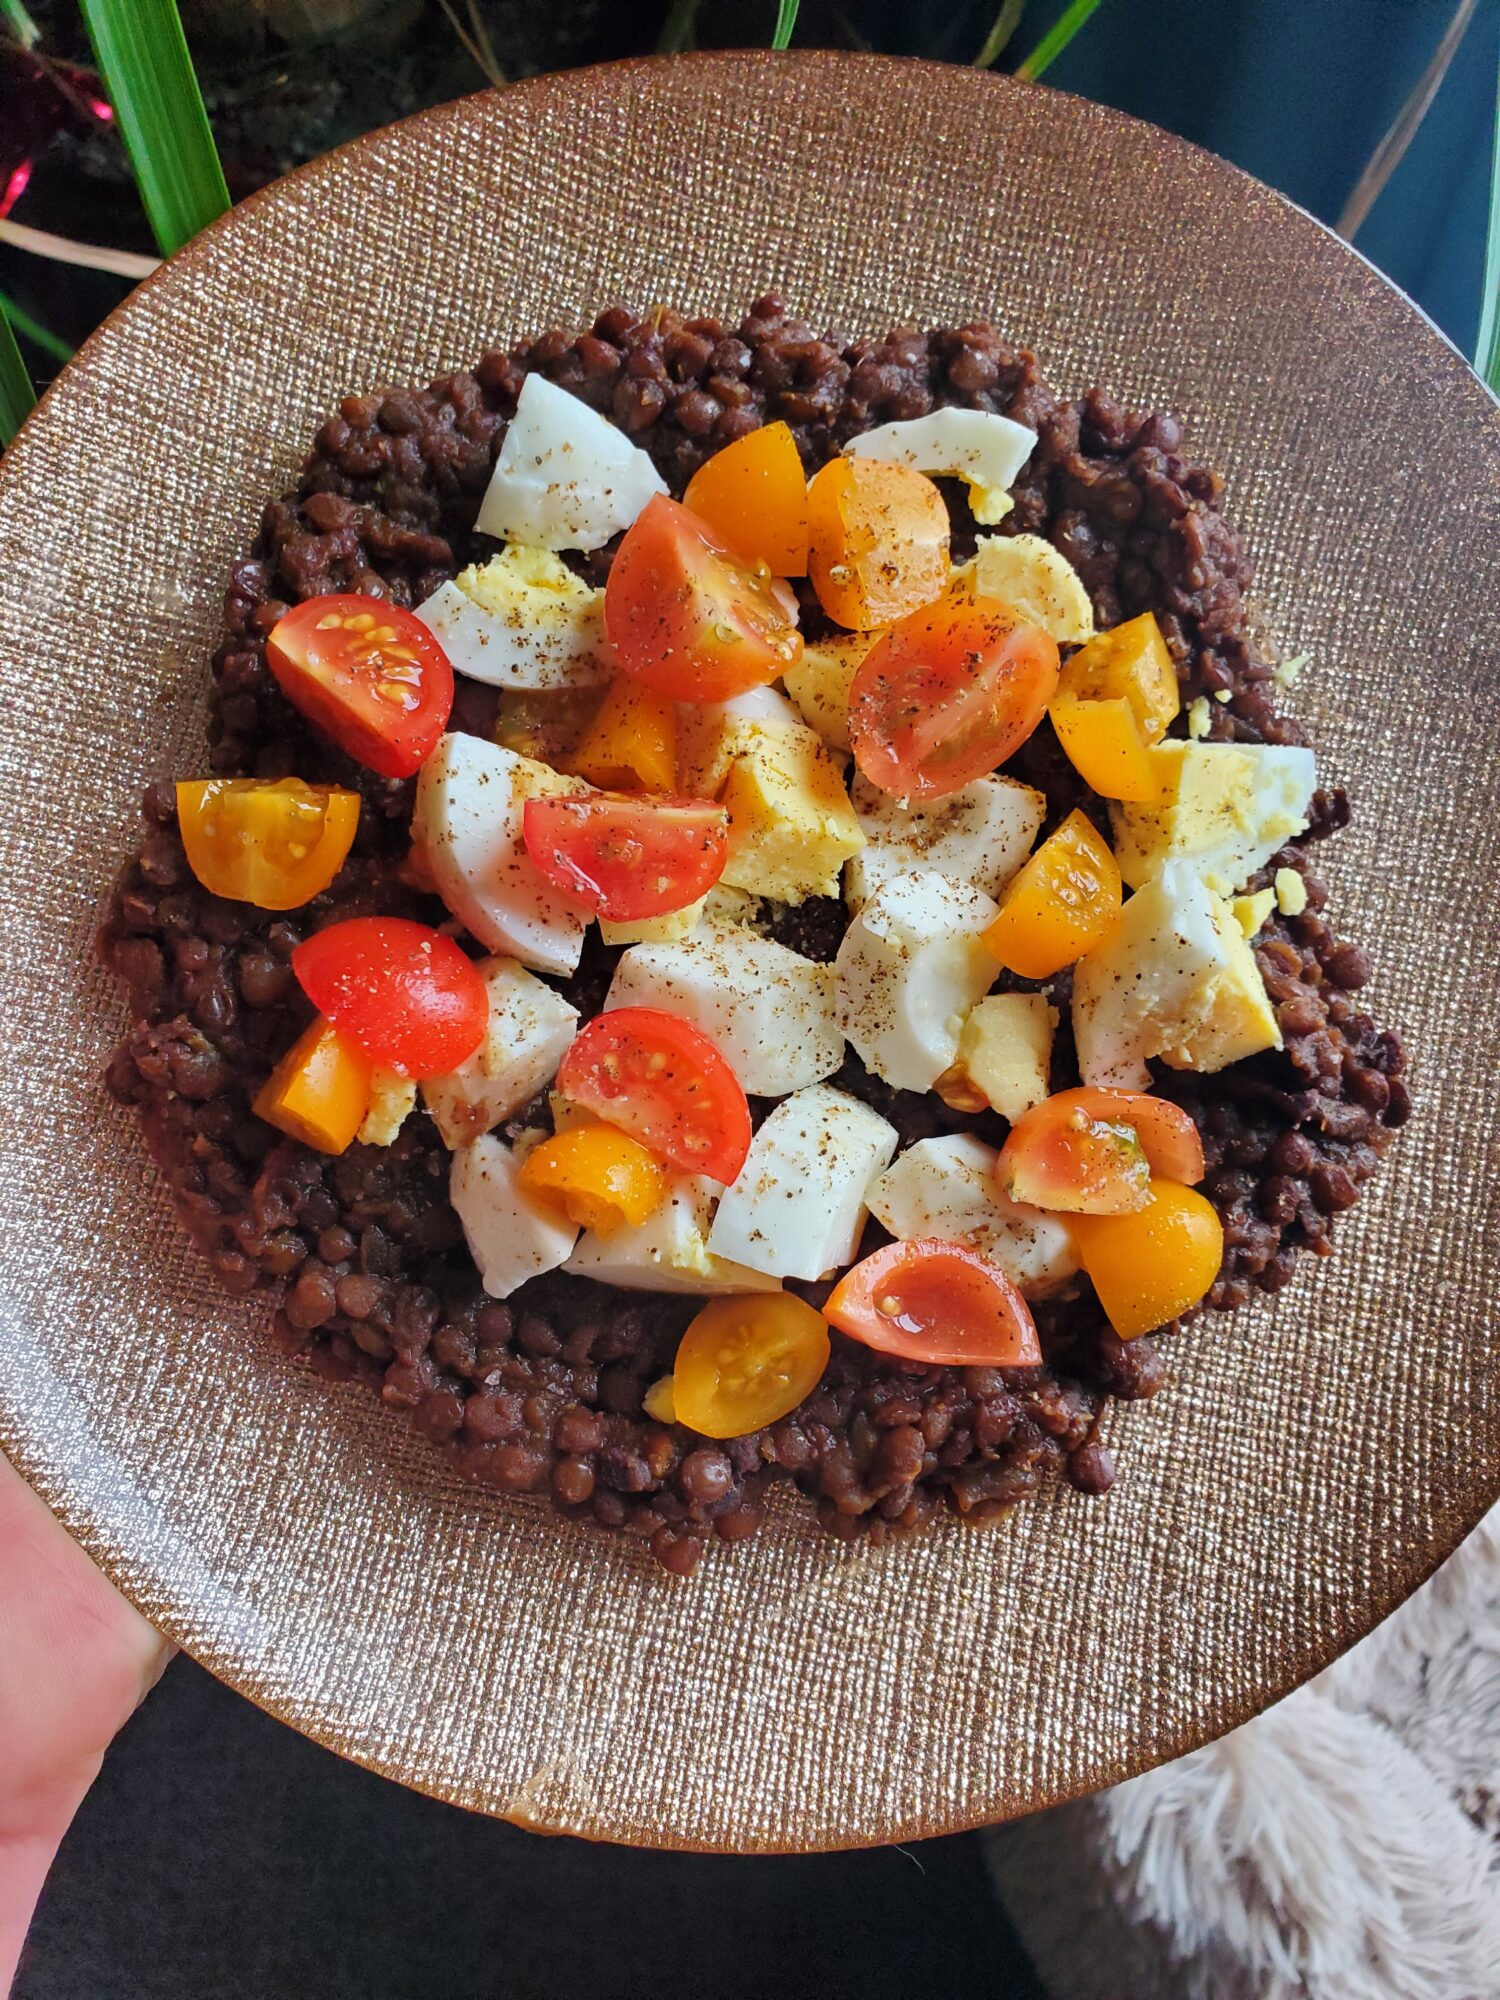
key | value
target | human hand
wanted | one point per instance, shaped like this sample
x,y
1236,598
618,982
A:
x,y
75,1659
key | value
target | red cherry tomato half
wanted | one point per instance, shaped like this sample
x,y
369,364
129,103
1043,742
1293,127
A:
x,y
1096,1152
626,857
665,1083
688,618
951,691
369,675
927,1300
405,993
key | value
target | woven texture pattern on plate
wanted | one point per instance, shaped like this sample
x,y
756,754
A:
x,y
1311,1461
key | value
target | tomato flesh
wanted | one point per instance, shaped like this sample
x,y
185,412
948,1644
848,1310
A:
x,y
1150,1266
877,541
947,694
665,1083
747,1362
627,857
404,992
929,1300
367,674
753,496
689,618
1097,1152
276,843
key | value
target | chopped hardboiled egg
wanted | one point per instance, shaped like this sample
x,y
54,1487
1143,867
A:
x,y
467,838
986,451
529,1029
1250,912
910,967
1175,979
670,929
946,1188
1035,579
522,620
393,1098
1004,1056
1290,891
711,734
791,826
668,1252
566,478
981,834
511,1236
797,1206
772,1014
819,681
1224,808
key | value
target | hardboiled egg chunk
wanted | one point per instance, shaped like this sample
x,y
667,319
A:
x,y
946,1188
983,449
910,967
979,835
670,1251
511,1236
522,620
566,478
528,1033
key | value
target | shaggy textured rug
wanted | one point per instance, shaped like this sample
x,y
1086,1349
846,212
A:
x,y
1343,1846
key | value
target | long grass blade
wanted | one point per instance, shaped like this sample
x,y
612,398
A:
x,y
677,29
65,250
1388,155
1487,347
786,20
1056,39
32,329
20,23
143,58
16,393
998,39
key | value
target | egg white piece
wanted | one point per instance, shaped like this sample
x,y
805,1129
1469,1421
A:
x,y
510,1236
772,1013
987,451
522,620
909,969
669,1251
528,1033
466,832
566,478
711,734
1225,809
945,1187
979,835
798,1206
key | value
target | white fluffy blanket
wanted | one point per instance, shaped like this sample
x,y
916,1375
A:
x,y
1343,1846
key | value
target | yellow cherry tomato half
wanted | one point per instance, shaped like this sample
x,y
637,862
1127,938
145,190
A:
x,y
1063,902
877,541
1151,1265
631,744
747,1362
753,494
276,843
1130,663
1104,744
599,1176
320,1090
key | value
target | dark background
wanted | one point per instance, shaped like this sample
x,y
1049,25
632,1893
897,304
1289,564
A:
x,y
219,1854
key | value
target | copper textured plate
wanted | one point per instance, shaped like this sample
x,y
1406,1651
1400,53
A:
x,y
1314,1458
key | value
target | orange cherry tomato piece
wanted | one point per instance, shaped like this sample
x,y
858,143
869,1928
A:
x,y
599,1176
626,857
928,1300
403,991
368,674
276,843
320,1090
1103,742
1151,1265
747,1362
665,1083
1064,901
877,541
687,617
1130,662
631,744
947,694
1097,1152
753,496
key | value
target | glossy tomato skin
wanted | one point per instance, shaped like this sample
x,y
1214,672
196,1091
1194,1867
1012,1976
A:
x,y
1097,1152
948,694
404,992
625,857
938,1302
690,619
368,675
745,1363
665,1083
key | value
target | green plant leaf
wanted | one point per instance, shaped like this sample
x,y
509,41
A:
x,y
16,393
1056,39
1487,347
148,74
32,329
996,41
786,20
25,30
